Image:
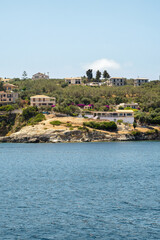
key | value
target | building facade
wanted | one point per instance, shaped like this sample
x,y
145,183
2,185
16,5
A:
x,y
42,100
9,87
130,105
8,97
77,80
40,76
126,116
140,81
116,81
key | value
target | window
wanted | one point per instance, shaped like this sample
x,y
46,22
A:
x,y
44,104
34,99
43,99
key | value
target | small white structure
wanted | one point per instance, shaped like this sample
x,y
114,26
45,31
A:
x,y
126,116
130,105
140,81
94,84
42,100
76,80
40,76
115,81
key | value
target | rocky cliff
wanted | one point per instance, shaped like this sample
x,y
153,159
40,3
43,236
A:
x,y
30,135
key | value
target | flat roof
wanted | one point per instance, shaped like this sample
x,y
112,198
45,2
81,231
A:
x,y
72,78
41,96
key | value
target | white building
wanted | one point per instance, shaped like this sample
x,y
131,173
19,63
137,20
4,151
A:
x,y
126,116
77,80
42,100
116,81
40,76
140,81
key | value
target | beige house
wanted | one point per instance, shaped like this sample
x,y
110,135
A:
x,y
4,80
42,100
40,76
130,105
77,80
116,81
140,81
124,115
8,97
9,86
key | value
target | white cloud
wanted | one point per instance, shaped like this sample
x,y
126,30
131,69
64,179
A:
x,y
102,64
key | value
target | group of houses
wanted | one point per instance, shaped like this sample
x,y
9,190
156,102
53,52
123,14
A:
x,y
123,111
113,81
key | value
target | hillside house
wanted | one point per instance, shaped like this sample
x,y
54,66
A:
x,y
129,105
9,87
140,81
8,97
126,116
40,76
115,81
42,100
77,80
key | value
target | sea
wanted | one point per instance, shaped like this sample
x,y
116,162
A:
x,y
73,191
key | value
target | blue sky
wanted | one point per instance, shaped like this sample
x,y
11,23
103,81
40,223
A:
x,y
65,37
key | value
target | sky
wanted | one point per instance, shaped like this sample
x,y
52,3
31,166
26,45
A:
x,y
67,37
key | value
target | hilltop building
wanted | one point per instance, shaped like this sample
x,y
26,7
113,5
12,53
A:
x,y
40,76
116,81
140,81
76,80
42,100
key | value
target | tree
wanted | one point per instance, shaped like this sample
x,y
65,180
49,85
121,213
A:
x,y
89,74
134,124
106,74
24,75
98,75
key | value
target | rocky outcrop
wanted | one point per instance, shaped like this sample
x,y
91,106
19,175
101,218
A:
x,y
29,135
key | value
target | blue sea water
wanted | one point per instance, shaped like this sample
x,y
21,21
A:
x,y
80,191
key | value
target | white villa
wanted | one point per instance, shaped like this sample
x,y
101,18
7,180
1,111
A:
x,y
76,80
42,100
126,115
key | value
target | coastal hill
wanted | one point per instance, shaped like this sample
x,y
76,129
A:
x,y
70,129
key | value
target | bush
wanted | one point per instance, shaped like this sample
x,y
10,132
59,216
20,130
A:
x,y
56,123
110,126
136,133
29,112
7,108
38,118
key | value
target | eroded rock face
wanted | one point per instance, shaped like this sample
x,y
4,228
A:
x,y
57,136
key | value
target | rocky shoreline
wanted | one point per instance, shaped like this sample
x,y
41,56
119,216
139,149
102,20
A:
x,y
65,136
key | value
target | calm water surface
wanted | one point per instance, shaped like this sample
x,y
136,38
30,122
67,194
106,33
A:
x,y
80,191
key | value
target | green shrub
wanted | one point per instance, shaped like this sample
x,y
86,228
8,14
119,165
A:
x,y
7,108
38,118
68,125
119,121
56,123
110,126
29,112
136,133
